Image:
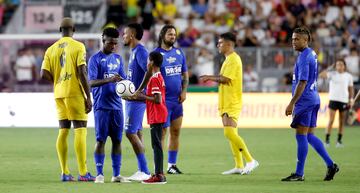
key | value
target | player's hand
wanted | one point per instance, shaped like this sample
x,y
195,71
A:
x,y
116,78
88,105
351,103
289,109
182,96
204,78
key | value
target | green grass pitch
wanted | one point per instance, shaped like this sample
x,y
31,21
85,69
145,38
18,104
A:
x,y
29,164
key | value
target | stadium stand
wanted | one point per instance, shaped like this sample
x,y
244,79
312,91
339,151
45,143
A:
x,y
263,29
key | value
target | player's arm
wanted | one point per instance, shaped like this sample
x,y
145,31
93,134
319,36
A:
x,y
145,81
100,82
46,75
300,87
351,96
216,78
185,84
84,82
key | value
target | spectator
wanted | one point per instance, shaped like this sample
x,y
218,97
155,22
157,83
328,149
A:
x,y
204,65
251,79
24,66
352,64
200,8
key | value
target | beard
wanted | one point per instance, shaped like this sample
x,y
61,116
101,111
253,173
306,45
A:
x,y
169,43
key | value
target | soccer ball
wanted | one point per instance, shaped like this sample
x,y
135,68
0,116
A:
x,y
125,88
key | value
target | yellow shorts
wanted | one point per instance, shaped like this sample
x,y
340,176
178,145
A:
x,y
232,114
71,108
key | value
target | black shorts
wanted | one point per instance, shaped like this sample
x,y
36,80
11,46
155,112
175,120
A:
x,y
336,105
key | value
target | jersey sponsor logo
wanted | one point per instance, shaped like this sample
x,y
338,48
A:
x,y
173,70
64,77
170,60
109,75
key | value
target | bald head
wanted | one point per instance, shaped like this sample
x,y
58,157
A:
x,y
67,26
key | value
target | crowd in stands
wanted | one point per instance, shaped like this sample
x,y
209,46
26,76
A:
x,y
335,25
7,9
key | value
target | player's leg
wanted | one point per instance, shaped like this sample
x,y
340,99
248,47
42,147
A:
x,y
231,133
134,116
61,142
342,117
332,113
174,136
78,116
101,132
239,164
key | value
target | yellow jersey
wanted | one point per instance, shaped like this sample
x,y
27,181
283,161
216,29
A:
x,y
61,60
230,95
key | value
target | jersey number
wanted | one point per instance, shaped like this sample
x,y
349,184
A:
x,y
62,59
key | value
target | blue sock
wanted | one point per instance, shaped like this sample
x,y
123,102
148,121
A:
x,y
116,164
302,150
142,164
317,144
99,163
172,157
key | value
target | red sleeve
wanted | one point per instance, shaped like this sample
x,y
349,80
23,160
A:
x,y
155,86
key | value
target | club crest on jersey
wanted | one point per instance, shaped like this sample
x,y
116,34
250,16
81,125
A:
x,y
178,52
171,59
173,70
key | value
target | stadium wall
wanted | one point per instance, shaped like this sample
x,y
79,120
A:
x,y
260,110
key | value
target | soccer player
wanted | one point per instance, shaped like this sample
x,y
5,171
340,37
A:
x,y
134,108
156,115
174,71
230,103
65,66
304,106
105,69
341,93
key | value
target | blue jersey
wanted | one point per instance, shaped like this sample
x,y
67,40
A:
x,y
102,66
137,65
174,64
306,68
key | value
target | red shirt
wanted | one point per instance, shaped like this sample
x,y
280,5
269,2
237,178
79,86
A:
x,y
156,113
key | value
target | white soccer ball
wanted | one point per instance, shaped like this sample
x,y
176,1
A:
x,y
125,88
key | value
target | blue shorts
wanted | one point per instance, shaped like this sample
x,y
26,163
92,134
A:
x,y
108,123
134,116
305,116
175,110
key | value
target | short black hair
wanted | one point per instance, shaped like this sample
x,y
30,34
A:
x,y
163,32
156,57
139,31
304,31
110,32
229,36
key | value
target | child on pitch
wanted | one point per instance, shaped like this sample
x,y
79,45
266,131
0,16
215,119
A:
x,y
156,114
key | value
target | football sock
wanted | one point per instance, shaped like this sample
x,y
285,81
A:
x,y
116,163
172,157
339,137
80,149
99,163
237,155
319,148
327,138
62,149
142,164
302,150
156,132
232,134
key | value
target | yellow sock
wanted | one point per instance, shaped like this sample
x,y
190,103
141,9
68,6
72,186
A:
x,y
80,149
232,134
62,149
237,155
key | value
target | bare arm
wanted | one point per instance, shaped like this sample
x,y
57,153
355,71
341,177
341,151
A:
x,y
84,83
300,87
185,84
216,78
145,80
351,96
323,74
46,75
156,98
100,82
